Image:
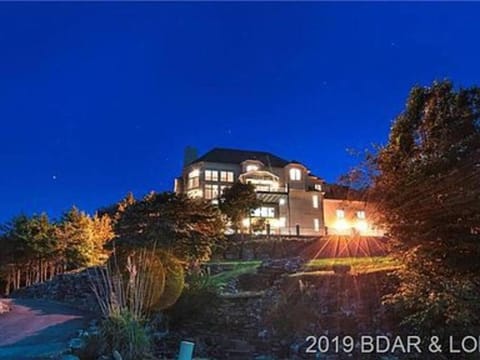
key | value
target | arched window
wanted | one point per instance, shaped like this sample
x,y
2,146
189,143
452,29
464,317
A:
x,y
295,174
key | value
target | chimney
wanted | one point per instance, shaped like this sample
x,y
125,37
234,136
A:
x,y
190,155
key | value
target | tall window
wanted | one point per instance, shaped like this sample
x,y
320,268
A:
x,y
211,191
340,213
316,224
194,179
295,174
211,175
315,201
226,176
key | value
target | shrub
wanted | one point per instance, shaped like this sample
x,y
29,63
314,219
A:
x,y
149,280
126,334
196,301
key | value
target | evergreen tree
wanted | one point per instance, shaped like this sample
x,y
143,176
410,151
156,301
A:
x,y
29,251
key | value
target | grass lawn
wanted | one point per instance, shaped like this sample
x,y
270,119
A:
x,y
237,268
315,267
358,264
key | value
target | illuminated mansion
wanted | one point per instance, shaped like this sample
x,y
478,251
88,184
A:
x,y
294,201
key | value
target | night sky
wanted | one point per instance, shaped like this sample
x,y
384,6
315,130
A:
x,y
98,99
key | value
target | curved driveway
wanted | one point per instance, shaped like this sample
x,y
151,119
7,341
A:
x,y
36,329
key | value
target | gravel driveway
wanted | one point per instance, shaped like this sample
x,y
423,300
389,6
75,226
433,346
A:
x,y
36,329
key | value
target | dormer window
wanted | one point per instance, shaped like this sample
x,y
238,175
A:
x,y
251,167
295,175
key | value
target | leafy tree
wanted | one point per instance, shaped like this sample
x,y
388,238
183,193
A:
x,y
82,238
427,182
237,202
186,227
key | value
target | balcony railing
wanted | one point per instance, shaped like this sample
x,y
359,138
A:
x,y
268,188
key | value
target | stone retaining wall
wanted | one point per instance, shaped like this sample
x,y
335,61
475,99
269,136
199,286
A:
x,y
73,288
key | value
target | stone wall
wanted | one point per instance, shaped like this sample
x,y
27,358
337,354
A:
x,y
275,322
73,288
275,247
250,248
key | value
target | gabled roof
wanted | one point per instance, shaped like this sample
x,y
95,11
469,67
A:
x,y
234,156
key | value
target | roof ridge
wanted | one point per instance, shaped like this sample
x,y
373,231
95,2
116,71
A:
x,y
242,150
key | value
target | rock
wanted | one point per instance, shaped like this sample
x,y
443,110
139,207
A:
x,y
4,307
69,357
76,344
116,355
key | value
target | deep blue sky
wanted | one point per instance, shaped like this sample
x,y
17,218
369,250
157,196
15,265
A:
x,y
99,99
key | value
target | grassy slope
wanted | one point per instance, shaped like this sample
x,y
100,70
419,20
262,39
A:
x,y
238,268
358,264
312,267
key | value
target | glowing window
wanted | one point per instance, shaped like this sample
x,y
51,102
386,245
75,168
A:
x,y
315,201
194,173
211,175
361,214
211,191
316,224
264,211
226,176
252,168
340,213
318,187
194,179
295,174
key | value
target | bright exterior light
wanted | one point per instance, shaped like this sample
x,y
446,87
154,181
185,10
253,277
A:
x,y
282,202
341,225
361,226
246,222
277,223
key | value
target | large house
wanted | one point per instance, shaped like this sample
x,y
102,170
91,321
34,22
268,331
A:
x,y
294,201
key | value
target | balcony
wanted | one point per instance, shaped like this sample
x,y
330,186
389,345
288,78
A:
x,y
264,188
